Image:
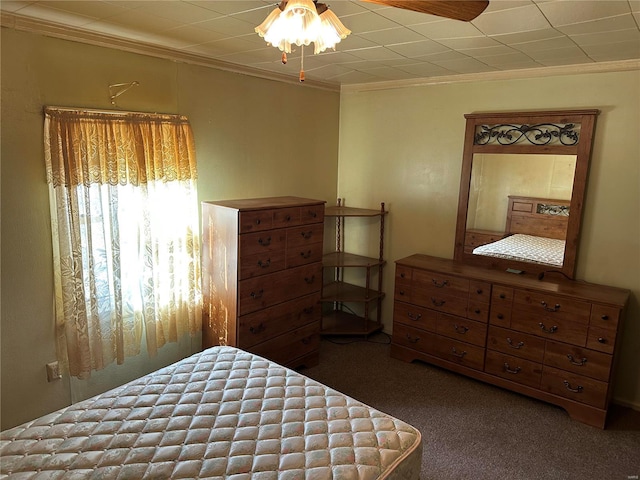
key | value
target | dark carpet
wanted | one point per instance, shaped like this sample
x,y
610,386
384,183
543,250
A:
x,y
476,431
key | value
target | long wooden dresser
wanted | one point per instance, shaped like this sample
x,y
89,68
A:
x,y
262,277
552,339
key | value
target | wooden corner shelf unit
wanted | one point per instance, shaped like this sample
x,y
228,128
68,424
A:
x,y
338,317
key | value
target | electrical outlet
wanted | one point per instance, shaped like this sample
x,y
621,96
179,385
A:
x,y
53,371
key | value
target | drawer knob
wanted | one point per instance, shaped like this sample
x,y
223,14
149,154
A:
x,y
413,339
402,275
577,389
573,361
461,329
602,340
264,264
438,303
500,316
477,311
548,330
306,235
313,214
259,329
413,317
288,218
256,295
310,279
517,346
502,296
305,254
401,292
455,353
264,242
479,291
438,284
555,308
511,370
258,221
605,317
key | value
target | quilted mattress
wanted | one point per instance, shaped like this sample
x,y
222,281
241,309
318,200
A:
x,y
221,413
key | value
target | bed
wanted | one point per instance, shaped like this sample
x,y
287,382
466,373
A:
x,y
536,229
221,413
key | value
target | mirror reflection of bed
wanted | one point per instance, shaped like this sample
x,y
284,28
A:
x,y
518,207
535,231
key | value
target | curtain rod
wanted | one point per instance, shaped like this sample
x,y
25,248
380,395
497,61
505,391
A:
x,y
95,110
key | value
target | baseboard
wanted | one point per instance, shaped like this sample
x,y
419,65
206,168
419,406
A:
x,y
625,403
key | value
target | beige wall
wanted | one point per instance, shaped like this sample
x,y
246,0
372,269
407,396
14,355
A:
x,y
404,147
253,138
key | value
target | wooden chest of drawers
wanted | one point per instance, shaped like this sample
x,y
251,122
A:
x,y
262,276
552,340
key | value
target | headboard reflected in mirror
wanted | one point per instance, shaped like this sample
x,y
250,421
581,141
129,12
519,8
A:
x,y
522,188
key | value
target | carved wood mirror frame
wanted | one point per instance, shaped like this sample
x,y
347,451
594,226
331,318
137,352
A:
x,y
565,132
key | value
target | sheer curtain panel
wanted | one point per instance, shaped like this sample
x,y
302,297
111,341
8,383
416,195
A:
x,y
125,234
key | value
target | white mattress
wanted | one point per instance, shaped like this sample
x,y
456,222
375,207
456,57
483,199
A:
x,y
526,248
222,413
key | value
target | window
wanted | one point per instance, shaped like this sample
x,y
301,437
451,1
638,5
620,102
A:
x,y
124,215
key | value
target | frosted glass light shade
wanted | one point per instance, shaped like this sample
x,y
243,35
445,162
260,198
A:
x,y
299,24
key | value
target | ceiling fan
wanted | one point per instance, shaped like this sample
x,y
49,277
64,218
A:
x,y
465,10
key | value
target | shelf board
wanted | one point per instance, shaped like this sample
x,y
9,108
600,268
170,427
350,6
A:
x,y
343,259
346,292
343,323
352,212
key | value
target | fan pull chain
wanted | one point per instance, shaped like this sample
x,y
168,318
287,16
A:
x,y
302,63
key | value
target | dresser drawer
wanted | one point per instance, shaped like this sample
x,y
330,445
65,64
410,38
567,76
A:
x,y
261,242
601,339
603,316
312,214
515,343
578,360
255,220
576,387
304,254
553,329
286,217
459,352
479,291
413,338
513,368
268,290
402,292
440,284
413,316
305,235
261,264
291,345
403,275
501,302
261,326
478,310
440,302
552,306
462,329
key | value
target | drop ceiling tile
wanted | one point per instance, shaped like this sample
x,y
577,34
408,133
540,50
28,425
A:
x,y
569,52
529,36
97,10
575,11
228,26
232,7
469,42
513,20
55,15
387,73
510,60
407,17
417,49
465,65
604,38
183,12
344,9
635,5
375,54
141,20
443,57
621,22
353,42
560,62
355,77
392,36
506,4
10,6
446,29
543,45
193,35
426,70
613,51
488,51
367,22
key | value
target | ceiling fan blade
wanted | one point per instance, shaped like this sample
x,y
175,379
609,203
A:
x,y
465,10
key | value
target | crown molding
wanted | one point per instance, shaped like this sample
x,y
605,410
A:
x,y
66,32
57,30
600,67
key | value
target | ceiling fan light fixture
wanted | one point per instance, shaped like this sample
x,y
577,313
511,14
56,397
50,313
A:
x,y
297,22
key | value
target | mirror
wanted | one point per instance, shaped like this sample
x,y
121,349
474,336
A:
x,y
522,190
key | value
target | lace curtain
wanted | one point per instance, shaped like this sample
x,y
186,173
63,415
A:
x,y
126,247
